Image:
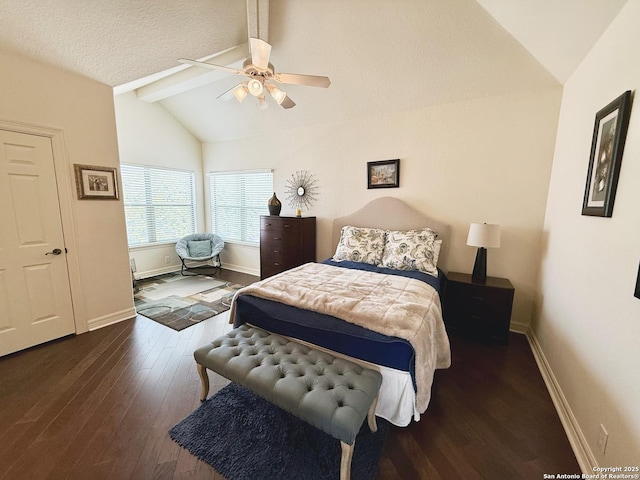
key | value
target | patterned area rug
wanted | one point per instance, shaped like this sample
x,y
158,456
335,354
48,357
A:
x,y
245,437
179,302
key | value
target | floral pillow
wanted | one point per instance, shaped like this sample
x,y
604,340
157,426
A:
x,y
412,250
358,244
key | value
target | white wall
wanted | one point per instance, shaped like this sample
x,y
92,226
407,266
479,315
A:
x,y
36,94
149,135
588,321
483,160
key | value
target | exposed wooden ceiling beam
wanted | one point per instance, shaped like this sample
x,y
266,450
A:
x,y
193,77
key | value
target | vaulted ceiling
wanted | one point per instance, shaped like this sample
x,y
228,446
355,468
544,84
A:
x,y
381,56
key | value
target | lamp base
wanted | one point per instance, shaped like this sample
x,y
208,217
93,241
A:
x,y
479,274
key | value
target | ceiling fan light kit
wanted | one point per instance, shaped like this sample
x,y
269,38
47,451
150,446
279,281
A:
x,y
262,103
240,92
260,73
255,87
277,94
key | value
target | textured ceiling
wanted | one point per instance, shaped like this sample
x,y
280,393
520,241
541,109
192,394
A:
x,y
381,56
117,41
381,59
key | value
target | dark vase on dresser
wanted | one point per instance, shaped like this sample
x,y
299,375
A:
x,y
286,242
274,205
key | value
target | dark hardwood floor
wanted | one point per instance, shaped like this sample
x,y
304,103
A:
x,y
490,417
99,405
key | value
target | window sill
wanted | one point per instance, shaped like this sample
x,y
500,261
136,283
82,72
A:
x,y
151,246
242,244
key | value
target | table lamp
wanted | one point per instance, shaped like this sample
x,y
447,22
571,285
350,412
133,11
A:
x,y
483,236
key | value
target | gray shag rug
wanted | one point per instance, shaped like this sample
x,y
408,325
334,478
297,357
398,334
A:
x,y
245,438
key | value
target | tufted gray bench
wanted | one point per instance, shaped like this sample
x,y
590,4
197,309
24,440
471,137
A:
x,y
330,393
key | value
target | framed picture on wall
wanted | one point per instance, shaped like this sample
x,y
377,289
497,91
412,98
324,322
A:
x,y
383,174
607,146
96,183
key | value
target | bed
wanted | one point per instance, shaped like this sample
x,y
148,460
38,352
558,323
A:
x,y
353,305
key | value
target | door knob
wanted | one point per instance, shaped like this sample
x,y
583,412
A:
x,y
55,251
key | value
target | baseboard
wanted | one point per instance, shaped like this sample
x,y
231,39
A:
x,y
241,269
157,271
518,327
578,442
176,268
96,323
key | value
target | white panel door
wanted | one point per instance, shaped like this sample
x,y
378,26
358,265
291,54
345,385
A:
x,y
35,296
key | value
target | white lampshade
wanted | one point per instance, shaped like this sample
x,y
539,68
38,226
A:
x,y
484,235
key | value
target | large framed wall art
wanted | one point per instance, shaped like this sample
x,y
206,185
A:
x,y
607,147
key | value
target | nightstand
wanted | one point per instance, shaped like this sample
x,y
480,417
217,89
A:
x,y
482,310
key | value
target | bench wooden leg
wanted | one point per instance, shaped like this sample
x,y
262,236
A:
x,y
204,380
345,462
371,416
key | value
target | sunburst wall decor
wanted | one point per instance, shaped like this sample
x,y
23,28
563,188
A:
x,y
302,190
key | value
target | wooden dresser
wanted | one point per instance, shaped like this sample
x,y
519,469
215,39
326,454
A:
x,y
286,242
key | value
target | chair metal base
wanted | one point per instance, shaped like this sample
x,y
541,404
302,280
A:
x,y
201,269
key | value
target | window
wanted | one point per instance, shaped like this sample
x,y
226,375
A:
x,y
237,201
159,204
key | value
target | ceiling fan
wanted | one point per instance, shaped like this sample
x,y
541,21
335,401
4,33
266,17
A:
x,y
260,74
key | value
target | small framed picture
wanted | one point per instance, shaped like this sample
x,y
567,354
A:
x,y
607,146
96,183
383,174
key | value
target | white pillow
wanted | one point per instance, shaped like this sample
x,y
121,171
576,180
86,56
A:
x,y
412,250
359,244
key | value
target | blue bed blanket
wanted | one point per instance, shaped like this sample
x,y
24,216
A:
x,y
331,332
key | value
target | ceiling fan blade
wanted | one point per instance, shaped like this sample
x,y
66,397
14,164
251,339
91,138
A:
x,y
227,95
260,53
211,65
300,79
288,103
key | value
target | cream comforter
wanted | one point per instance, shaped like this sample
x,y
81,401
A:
x,y
388,304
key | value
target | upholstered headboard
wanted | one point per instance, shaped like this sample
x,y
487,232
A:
x,y
391,213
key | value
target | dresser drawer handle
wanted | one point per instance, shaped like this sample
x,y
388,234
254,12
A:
x,y
276,251
276,263
267,224
286,225
277,238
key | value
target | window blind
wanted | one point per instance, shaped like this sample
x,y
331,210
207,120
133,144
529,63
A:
x,y
237,201
159,203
